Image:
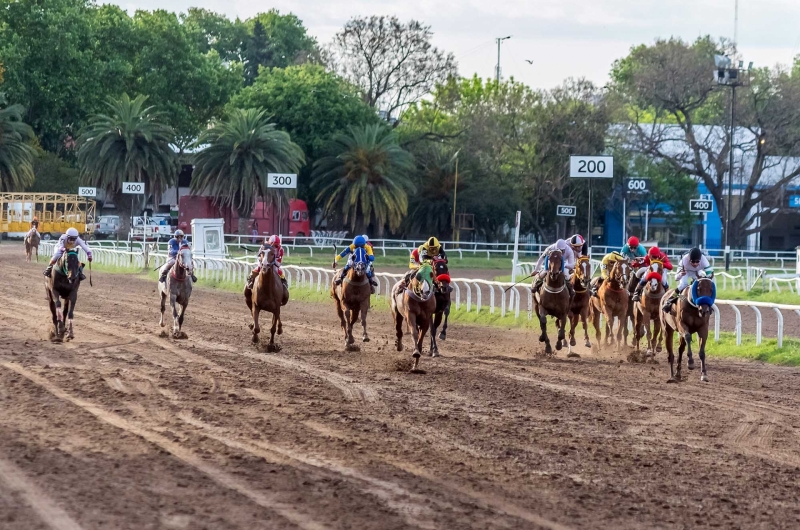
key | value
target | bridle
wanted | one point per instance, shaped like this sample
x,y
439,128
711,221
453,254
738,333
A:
x,y
581,275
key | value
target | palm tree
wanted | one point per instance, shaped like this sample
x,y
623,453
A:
x,y
16,152
241,151
367,182
430,210
129,144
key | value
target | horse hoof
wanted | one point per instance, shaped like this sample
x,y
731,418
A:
x,y
273,348
365,339
558,345
255,339
572,342
548,349
442,336
280,331
704,378
250,325
352,347
416,355
162,324
541,338
673,380
435,353
588,344
658,349
690,364
399,346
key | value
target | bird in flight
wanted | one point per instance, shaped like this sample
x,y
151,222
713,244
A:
x,y
529,61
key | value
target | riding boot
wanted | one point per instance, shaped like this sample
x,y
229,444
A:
x,y
571,291
251,280
596,287
668,304
194,278
637,294
81,276
48,271
373,284
537,284
163,277
285,283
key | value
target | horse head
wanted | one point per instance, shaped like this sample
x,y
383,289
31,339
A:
x,y
360,263
655,275
621,272
704,293
441,274
555,264
423,279
184,260
69,265
583,272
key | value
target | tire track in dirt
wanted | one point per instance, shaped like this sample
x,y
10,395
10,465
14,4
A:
x,y
265,500
48,511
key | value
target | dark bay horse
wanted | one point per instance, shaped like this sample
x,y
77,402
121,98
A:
x,y
63,284
267,294
415,304
690,314
31,245
352,298
178,288
612,302
442,294
648,309
579,308
553,299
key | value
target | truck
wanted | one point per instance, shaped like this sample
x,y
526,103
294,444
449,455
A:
x,y
264,219
56,213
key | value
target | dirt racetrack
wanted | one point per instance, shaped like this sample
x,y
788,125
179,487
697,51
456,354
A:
x,y
123,429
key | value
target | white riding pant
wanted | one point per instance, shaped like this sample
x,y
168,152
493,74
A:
x,y
683,278
165,267
644,270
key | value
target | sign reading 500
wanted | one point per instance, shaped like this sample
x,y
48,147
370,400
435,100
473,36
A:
x,y
133,188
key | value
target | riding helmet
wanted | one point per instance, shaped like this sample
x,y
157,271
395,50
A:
x,y
274,240
179,233
561,244
359,241
654,252
633,242
577,241
433,246
72,232
695,254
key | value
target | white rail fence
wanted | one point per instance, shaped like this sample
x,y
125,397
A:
x,y
504,298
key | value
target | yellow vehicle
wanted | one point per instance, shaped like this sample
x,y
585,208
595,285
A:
x,y
55,211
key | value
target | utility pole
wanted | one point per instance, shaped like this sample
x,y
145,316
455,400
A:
x,y
497,69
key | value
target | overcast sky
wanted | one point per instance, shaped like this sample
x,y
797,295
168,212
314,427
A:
x,y
563,38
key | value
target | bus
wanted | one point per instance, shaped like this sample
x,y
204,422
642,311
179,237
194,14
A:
x,y
56,213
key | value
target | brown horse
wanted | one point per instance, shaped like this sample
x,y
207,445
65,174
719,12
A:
x,y
579,308
267,294
553,299
442,294
612,302
648,309
31,244
63,284
415,304
352,299
690,314
178,288
631,316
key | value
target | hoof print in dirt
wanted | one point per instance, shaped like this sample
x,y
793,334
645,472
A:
x,y
352,347
272,348
180,335
418,371
163,334
573,355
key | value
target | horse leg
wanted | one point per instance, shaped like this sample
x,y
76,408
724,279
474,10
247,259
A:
x,y
561,323
668,337
584,321
352,318
702,338
415,338
423,325
59,317
690,358
544,338
598,332
364,311
163,308
681,348
398,325
276,316
657,336
437,320
256,328
173,302
180,318
73,300
443,334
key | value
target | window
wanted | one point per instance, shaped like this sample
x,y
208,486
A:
x,y
305,216
296,215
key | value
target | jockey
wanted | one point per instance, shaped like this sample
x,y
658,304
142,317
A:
x,y
633,250
693,265
427,251
605,269
358,242
273,242
175,245
580,247
369,245
34,229
644,265
569,265
67,242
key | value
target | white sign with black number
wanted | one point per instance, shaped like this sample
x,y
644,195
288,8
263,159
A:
x,y
87,192
566,211
701,205
281,180
133,188
637,185
591,167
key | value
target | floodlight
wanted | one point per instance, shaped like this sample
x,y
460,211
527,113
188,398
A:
x,y
741,64
750,66
721,61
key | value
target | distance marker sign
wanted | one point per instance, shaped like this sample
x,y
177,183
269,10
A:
x,y
282,180
591,166
566,211
635,185
701,205
133,188
84,191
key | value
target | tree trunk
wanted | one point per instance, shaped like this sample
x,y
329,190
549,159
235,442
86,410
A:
x,y
124,211
244,220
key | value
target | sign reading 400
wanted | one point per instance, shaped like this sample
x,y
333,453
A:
x,y
133,188
281,180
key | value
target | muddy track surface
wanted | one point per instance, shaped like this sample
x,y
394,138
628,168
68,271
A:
x,y
122,428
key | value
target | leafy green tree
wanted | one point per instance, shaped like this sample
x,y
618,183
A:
x,y
241,151
130,143
430,209
16,152
287,39
53,175
257,53
366,183
213,31
190,87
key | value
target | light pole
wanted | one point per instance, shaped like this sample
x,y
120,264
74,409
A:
x,y
497,70
455,197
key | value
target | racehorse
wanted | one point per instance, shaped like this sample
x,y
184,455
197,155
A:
x,y
579,308
648,309
415,304
553,299
352,298
633,282
31,244
442,294
178,287
267,294
63,285
612,302
690,314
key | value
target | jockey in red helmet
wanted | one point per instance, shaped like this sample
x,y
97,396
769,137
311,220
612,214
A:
x,y
272,242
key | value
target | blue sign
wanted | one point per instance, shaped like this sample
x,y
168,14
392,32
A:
x,y
794,201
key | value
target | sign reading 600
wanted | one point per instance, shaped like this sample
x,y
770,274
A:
x,y
133,188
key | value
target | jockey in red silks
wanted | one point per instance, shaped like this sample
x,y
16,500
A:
x,y
274,243
654,254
